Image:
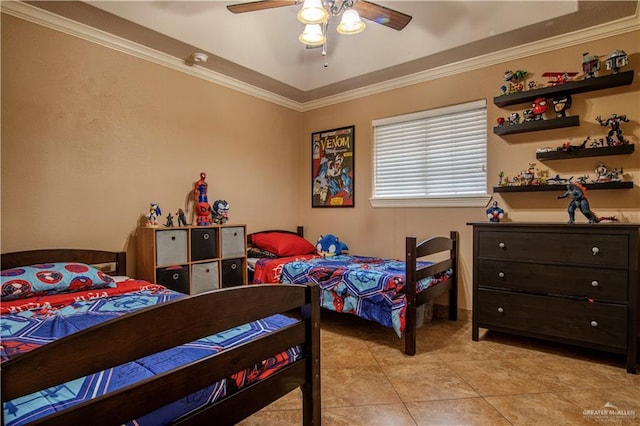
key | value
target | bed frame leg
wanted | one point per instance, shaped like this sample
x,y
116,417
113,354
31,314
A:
x,y
311,391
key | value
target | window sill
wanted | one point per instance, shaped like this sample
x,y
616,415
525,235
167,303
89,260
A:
x,y
463,201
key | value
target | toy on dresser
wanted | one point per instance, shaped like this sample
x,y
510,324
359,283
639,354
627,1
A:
x,y
154,213
220,212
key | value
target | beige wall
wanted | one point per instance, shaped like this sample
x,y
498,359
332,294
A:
x,y
91,136
381,231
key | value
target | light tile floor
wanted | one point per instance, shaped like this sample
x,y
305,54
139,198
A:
x,y
500,380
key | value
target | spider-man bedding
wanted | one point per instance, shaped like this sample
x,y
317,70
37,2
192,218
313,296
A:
x,y
35,321
369,287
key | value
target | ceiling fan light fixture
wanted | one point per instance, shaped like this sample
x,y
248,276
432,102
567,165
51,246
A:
x,y
312,35
351,23
312,12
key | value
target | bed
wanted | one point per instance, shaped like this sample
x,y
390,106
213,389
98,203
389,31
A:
x,y
81,351
388,291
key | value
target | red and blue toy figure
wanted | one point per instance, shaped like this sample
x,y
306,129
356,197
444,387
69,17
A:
x,y
539,108
495,213
203,214
200,190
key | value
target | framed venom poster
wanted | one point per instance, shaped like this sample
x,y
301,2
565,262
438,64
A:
x,y
332,168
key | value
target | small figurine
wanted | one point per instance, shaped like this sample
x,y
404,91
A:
x,y
528,115
515,79
495,213
614,125
567,147
514,118
501,180
603,174
154,213
558,78
330,245
539,108
169,223
578,194
616,60
590,65
182,218
200,189
220,212
500,121
561,104
203,211
532,85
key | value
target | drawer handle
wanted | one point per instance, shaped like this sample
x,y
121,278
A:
x,y
502,245
206,236
595,250
175,276
234,266
173,238
207,270
235,234
500,309
501,274
595,283
594,323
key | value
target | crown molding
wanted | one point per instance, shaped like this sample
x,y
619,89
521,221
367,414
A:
x,y
50,20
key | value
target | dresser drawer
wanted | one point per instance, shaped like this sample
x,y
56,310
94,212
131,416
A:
x,y
171,247
174,277
596,324
575,281
578,248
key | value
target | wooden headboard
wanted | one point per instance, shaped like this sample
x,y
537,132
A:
x,y
117,260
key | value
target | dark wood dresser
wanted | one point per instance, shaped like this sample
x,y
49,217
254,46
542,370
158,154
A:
x,y
569,283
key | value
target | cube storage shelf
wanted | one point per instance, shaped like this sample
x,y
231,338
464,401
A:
x,y
192,259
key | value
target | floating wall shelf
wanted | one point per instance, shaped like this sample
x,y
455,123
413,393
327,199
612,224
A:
x,y
587,152
530,126
562,187
571,87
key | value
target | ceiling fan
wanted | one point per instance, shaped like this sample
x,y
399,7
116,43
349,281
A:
x,y
371,11
316,14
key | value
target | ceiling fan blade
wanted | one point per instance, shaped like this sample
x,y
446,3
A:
x,y
259,5
382,15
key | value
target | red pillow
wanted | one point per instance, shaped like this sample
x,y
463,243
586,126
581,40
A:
x,y
283,244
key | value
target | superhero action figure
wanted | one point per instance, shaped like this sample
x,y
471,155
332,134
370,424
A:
x,y
200,189
613,122
495,213
578,194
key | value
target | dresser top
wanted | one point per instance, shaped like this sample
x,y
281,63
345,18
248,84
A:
x,y
609,225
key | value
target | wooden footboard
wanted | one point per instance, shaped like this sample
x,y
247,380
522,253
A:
x,y
414,252
170,324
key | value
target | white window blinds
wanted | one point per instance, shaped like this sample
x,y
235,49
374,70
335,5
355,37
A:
x,y
435,154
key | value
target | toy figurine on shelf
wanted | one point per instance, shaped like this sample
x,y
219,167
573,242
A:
x,y
578,194
154,213
603,174
220,212
514,118
561,104
500,121
169,222
558,78
616,60
203,214
590,65
182,218
528,115
613,122
495,213
515,80
200,189
539,108
567,147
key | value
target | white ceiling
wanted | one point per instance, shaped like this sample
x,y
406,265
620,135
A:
x,y
261,48
267,41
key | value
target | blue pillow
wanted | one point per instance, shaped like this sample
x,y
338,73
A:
x,y
51,278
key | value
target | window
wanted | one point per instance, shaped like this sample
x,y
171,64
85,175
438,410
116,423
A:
x,y
431,158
